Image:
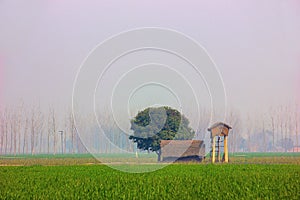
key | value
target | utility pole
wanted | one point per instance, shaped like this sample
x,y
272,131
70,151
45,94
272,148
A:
x,y
61,138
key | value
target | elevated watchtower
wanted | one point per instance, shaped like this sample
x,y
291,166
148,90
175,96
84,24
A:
x,y
220,132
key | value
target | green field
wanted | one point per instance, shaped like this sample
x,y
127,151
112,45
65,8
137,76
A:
x,y
177,181
80,159
266,154
81,176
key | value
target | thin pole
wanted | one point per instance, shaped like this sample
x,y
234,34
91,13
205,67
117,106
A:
x,y
219,151
213,150
61,138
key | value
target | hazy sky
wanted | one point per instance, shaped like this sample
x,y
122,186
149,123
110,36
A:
x,y
255,44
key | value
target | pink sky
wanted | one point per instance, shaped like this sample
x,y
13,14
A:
x,y
298,87
255,43
1,78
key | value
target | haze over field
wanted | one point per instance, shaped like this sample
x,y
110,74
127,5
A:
x,y
254,44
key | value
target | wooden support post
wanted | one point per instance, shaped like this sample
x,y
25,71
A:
x,y
225,150
213,150
219,150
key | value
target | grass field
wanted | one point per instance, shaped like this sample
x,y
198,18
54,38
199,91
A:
x,y
265,154
247,176
177,181
78,159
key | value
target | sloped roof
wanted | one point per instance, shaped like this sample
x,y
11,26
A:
x,y
219,124
180,148
180,142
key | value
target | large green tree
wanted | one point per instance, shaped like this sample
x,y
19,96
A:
x,y
152,125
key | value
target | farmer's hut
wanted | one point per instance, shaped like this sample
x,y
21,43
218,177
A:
x,y
182,150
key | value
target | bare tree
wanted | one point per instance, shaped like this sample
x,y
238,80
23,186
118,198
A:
x,y
6,119
235,121
281,118
25,137
13,128
285,127
19,126
203,124
291,124
36,124
296,127
264,136
41,138
32,130
249,127
273,127
49,123
2,126
72,130
53,128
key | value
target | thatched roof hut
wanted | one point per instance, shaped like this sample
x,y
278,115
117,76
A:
x,y
182,150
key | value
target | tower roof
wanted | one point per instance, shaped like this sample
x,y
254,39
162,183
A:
x,y
219,124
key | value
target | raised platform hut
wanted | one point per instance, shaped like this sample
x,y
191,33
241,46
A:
x,y
219,136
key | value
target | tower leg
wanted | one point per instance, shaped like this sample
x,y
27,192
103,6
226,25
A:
x,y
219,150
225,149
213,158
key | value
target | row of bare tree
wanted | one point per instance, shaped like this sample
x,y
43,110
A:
x,y
31,130
275,131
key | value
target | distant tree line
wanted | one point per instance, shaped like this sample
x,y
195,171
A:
x,y
274,131
33,130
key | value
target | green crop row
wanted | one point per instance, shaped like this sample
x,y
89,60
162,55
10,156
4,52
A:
x,y
177,181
